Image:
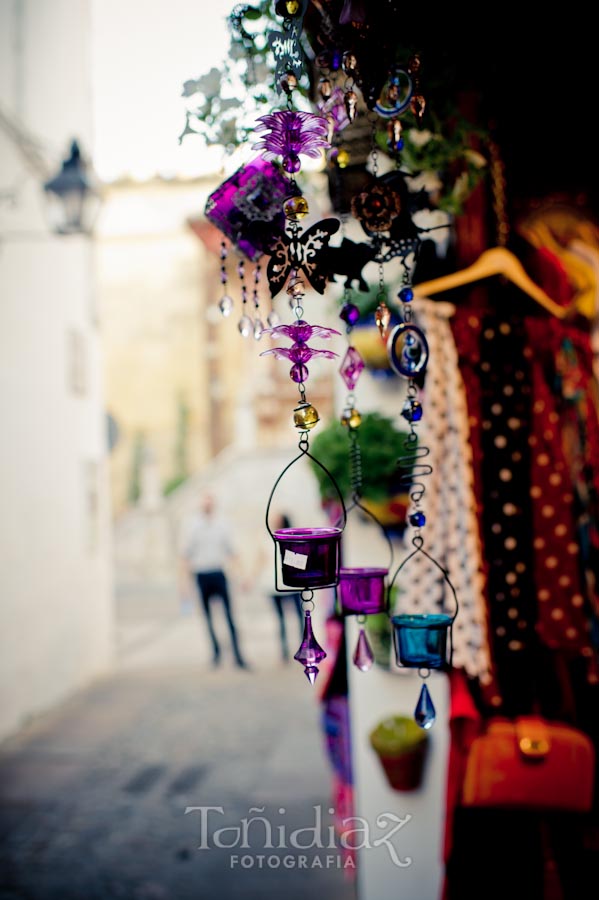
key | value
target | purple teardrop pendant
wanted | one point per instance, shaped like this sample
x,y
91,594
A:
x,y
310,651
363,656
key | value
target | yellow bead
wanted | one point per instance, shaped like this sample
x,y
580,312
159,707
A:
x,y
351,418
342,159
296,208
305,417
292,7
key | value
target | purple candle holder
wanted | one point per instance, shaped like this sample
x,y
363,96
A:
x,y
308,557
361,592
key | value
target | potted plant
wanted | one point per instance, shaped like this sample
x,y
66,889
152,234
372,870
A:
x,y
381,446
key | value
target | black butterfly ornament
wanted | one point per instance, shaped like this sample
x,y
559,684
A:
x,y
305,252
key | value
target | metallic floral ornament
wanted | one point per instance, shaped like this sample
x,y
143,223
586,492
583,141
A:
x,y
285,45
376,207
292,133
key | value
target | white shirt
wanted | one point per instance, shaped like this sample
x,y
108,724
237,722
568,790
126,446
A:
x,y
205,543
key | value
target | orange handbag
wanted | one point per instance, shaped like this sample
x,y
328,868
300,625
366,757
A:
x,y
532,764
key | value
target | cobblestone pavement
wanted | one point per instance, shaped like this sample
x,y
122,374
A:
x,y
93,795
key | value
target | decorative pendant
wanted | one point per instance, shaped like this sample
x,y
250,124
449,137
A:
x,y
310,652
363,657
425,713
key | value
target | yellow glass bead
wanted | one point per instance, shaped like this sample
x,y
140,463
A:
x,y
351,418
305,417
292,7
342,159
296,208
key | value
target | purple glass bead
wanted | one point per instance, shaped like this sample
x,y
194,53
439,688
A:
x,y
310,652
418,519
363,657
299,373
350,313
351,368
292,163
412,410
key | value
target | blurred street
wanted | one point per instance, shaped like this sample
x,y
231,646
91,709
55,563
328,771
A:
x,y
93,794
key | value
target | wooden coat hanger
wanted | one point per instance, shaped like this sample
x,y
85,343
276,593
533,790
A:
x,y
496,261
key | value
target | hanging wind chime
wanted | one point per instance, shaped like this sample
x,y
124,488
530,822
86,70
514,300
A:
x,y
259,210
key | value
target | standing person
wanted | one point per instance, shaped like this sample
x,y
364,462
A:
x,y
205,549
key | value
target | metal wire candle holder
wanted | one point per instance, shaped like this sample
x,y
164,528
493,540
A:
x,y
305,547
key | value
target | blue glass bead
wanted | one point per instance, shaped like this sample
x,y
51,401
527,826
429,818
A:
x,y
412,411
418,519
406,295
425,713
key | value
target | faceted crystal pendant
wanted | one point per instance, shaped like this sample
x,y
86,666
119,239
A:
x,y
245,326
310,651
351,368
363,656
258,329
273,319
382,317
225,305
425,713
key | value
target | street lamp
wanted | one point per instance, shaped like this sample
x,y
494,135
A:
x,y
73,201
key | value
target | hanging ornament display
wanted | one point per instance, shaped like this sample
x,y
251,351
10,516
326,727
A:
x,y
421,641
361,590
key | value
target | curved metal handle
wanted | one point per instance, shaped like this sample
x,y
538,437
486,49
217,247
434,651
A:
x,y
356,503
303,453
418,543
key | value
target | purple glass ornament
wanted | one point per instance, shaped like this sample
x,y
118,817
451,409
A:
x,y
363,657
350,313
301,332
299,353
351,368
299,373
362,591
248,207
333,109
309,556
310,652
292,133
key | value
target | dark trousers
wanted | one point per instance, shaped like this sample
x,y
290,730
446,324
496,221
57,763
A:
x,y
214,584
280,601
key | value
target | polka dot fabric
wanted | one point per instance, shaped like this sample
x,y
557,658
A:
x,y
507,508
562,621
451,532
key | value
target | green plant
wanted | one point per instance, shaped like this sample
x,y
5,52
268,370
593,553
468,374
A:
x,y
381,445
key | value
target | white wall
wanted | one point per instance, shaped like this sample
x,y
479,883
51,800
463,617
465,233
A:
x,y
56,605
